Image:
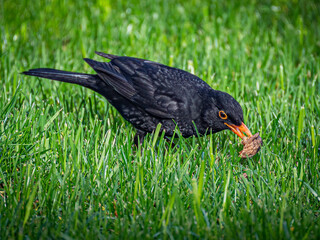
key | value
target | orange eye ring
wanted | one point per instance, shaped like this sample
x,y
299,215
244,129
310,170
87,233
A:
x,y
223,115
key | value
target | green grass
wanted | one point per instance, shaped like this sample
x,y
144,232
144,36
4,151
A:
x,y
68,168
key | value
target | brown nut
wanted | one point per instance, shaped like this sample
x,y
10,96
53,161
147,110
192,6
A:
x,y
251,146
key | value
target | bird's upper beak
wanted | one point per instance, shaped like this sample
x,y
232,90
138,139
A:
x,y
239,130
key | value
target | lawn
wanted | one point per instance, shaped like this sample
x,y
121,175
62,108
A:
x,y
68,166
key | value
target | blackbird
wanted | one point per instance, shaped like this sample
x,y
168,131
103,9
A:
x,y
147,93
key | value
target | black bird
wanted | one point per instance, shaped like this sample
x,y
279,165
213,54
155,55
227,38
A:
x,y
147,93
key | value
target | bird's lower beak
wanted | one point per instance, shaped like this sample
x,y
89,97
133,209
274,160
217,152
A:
x,y
239,130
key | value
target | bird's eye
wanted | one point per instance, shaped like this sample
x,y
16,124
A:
x,y
223,115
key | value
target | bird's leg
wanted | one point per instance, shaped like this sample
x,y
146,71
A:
x,y
169,141
138,138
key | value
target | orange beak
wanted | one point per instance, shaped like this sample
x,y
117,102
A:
x,y
239,130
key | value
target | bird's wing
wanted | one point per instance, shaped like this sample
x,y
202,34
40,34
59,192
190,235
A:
x,y
160,90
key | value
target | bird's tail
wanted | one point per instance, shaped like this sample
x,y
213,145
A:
x,y
91,81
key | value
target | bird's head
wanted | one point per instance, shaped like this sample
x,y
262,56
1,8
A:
x,y
224,112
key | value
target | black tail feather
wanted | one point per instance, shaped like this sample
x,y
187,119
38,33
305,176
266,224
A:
x,y
86,80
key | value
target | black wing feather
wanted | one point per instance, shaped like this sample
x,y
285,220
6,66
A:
x,y
105,55
112,77
160,90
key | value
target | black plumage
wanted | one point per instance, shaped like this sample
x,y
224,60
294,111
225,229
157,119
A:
x,y
147,93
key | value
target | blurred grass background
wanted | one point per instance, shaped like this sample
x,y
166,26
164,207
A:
x,y
68,168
